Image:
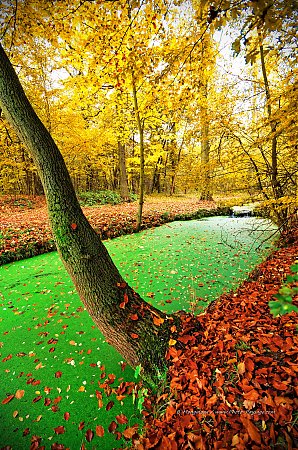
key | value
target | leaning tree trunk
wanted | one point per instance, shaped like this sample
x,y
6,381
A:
x,y
136,329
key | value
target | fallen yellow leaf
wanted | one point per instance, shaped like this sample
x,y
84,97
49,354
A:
x,y
19,394
241,368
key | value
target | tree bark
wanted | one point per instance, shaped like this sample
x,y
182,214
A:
x,y
206,44
124,192
281,213
205,148
276,188
127,322
142,157
155,185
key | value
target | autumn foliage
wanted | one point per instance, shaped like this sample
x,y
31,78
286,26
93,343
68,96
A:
x,y
233,379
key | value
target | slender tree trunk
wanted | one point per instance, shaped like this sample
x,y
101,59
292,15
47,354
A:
x,y
276,188
256,169
205,150
155,185
173,157
124,192
127,322
206,193
142,158
173,184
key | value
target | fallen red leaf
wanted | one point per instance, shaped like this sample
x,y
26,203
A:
x,y
7,399
112,427
81,425
121,418
279,385
252,395
35,442
59,430
158,321
118,435
129,432
252,430
99,431
89,435
110,405
134,317
57,446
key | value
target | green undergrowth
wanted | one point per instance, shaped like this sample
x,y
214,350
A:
x,y
92,198
283,300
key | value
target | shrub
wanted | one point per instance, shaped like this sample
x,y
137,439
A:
x,y
283,302
99,198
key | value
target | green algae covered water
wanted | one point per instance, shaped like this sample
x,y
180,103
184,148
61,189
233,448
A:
x,y
53,359
184,265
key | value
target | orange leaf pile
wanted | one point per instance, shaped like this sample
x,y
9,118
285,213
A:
x,y
233,372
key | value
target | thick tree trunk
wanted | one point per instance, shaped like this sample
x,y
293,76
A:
x,y
136,329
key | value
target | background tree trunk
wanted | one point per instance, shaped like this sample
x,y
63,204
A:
x,y
280,213
127,322
142,158
276,188
124,192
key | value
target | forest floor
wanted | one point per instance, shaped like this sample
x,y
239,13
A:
x,y
25,229
233,370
